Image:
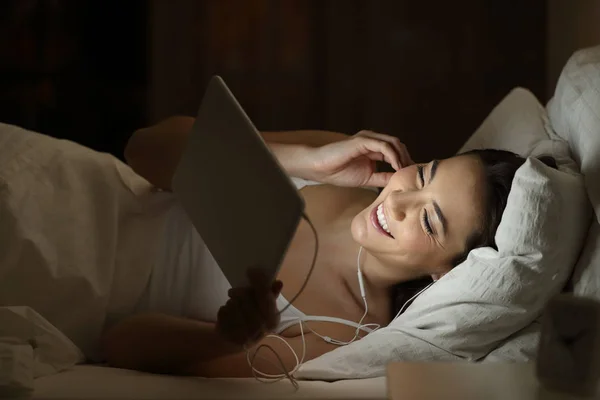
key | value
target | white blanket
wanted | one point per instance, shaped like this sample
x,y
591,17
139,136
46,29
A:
x,y
77,233
575,115
31,347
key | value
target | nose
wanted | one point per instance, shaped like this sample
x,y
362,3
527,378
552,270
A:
x,y
399,215
401,203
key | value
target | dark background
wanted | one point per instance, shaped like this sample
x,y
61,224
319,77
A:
x,y
426,71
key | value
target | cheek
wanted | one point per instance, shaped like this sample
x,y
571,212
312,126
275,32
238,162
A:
x,y
412,237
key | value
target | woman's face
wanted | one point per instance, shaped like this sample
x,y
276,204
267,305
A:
x,y
422,219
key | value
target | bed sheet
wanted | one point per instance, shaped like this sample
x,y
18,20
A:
x,y
87,382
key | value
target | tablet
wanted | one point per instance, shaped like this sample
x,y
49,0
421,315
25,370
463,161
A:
x,y
235,192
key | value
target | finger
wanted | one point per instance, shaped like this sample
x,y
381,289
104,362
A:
x,y
265,304
271,316
405,157
253,300
375,156
276,287
240,322
396,143
227,325
259,279
227,316
255,303
262,305
379,179
400,147
221,316
378,146
254,325
237,292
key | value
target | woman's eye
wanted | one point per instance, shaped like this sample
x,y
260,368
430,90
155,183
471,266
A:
x,y
421,175
426,223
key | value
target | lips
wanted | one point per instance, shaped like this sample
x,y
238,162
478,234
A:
x,y
379,221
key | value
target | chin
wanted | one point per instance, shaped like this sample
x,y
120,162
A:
x,y
359,229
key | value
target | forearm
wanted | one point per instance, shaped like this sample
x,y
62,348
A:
x,y
312,138
292,148
273,358
163,344
154,152
294,159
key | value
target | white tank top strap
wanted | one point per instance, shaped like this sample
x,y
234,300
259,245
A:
x,y
336,320
292,316
289,322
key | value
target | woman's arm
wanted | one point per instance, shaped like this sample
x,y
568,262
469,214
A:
x,y
160,343
236,365
312,138
154,152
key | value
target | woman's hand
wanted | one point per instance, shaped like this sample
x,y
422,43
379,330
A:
x,y
352,162
251,312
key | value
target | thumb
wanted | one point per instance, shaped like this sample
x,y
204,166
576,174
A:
x,y
379,179
276,287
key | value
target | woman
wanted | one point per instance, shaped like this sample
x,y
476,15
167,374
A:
x,y
423,223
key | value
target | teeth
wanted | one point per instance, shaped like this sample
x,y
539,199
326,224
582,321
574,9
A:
x,y
381,218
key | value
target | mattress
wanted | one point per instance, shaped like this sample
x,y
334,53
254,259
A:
x,y
102,383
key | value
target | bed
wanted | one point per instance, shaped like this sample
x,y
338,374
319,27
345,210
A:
x,y
61,379
99,383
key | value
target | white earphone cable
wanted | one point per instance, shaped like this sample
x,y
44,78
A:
x,y
269,378
411,299
258,375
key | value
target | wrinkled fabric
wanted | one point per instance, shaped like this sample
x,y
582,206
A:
x,y
78,231
575,115
31,347
490,304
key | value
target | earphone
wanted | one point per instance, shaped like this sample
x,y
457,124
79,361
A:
x,y
361,283
360,326
261,376
412,298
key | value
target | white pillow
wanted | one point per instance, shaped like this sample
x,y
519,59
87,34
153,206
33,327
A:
x,y
575,114
493,294
519,123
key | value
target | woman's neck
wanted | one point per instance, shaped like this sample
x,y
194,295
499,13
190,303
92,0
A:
x,y
377,291
378,280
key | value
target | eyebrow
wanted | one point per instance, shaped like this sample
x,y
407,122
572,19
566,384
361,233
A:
x,y
434,166
436,207
440,216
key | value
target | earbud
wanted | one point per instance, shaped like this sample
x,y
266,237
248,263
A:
x,y
361,284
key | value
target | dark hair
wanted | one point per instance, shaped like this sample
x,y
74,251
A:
x,y
499,167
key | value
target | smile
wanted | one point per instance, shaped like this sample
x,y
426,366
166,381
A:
x,y
379,221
